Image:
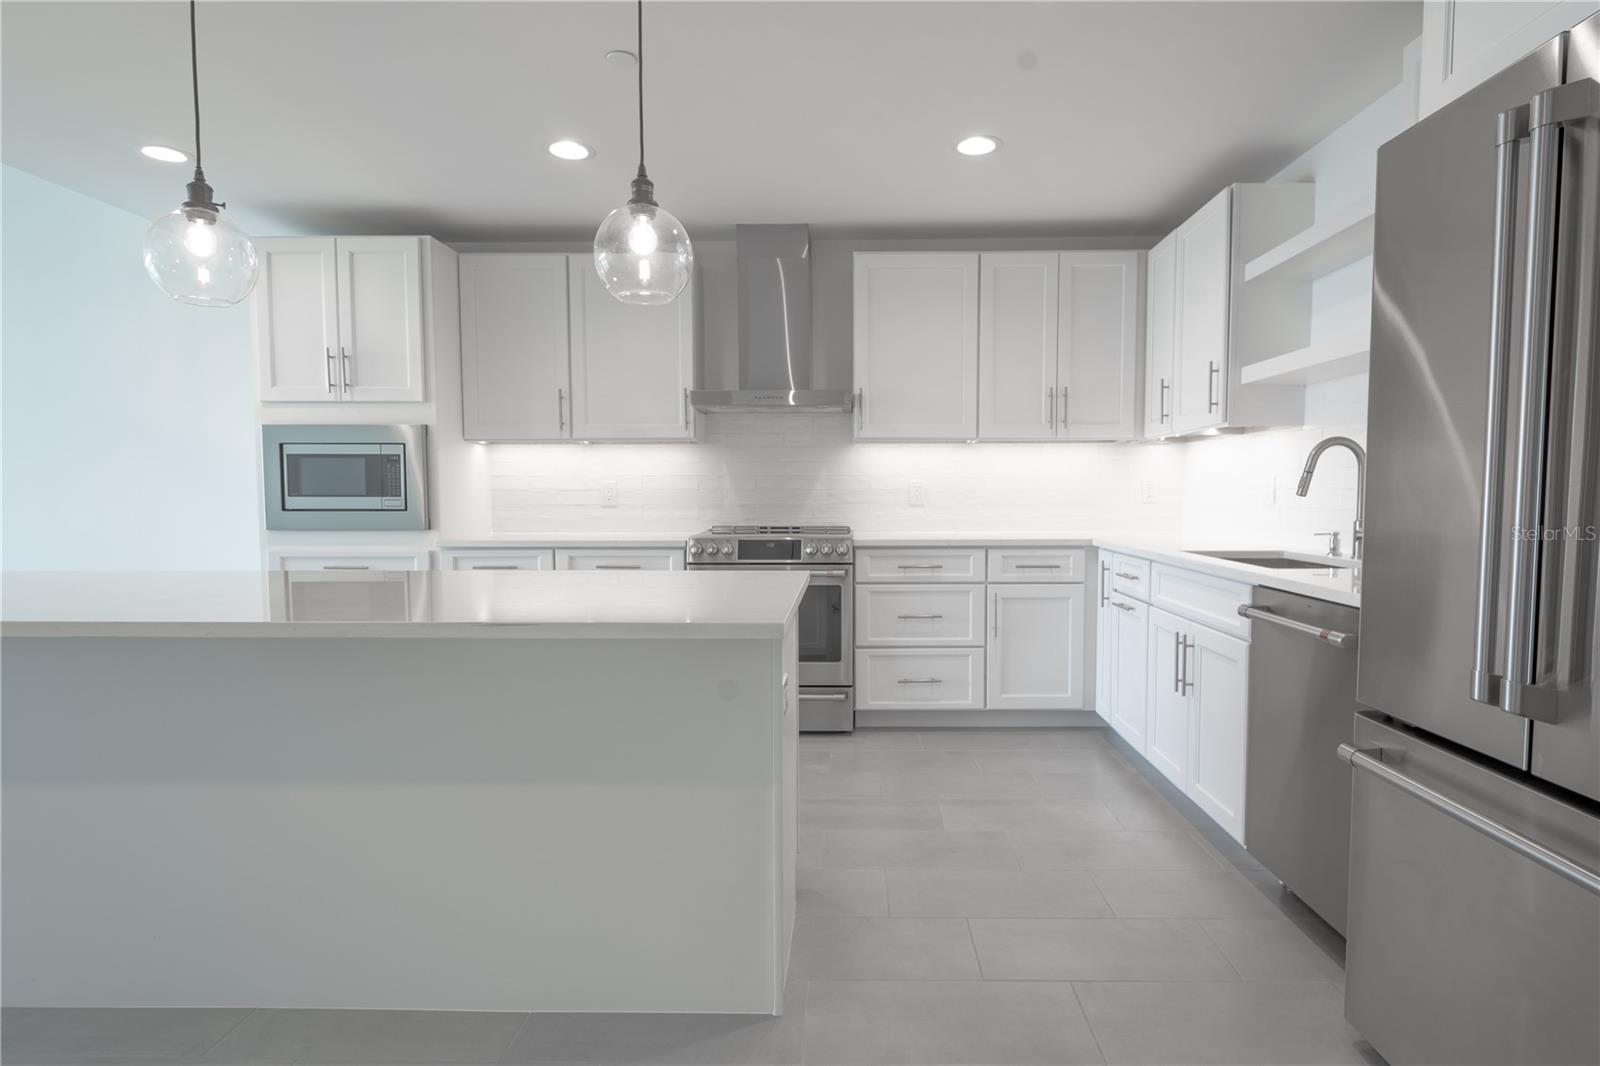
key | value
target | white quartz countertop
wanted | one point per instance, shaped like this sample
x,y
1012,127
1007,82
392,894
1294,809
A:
x,y
537,539
438,603
1334,584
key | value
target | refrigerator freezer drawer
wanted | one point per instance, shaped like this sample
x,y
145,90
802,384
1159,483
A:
x,y
1460,949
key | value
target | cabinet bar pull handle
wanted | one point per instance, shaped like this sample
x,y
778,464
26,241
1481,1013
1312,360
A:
x,y
561,409
1188,646
920,681
1161,408
1212,374
1177,664
1105,593
1050,402
928,616
619,566
327,367
1127,576
348,376
1063,408
920,566
995,610
494,566
1119,605
685,408
1038,566
333,566
1371,760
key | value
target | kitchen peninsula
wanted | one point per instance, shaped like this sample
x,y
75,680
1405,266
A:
x,y
444,790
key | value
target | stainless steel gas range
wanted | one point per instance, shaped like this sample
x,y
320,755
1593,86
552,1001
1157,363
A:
x,y
827,556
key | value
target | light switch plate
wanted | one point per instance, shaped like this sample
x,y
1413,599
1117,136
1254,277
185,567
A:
x,y
608,494
915,496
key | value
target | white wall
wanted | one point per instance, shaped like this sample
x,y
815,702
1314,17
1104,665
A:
x,y
128,436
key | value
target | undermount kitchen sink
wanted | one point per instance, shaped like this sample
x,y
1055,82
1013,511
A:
x,y
1281,560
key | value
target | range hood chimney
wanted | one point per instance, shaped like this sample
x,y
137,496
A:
x,y
774,328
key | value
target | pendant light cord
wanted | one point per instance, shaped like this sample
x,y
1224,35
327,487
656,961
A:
x,y
640,60
194,75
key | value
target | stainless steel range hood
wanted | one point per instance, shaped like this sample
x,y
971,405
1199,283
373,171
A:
x,y
774,328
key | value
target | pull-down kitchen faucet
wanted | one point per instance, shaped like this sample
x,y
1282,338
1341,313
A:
x,y
1358,536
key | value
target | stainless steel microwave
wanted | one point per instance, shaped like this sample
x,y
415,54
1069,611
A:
x,y
345,477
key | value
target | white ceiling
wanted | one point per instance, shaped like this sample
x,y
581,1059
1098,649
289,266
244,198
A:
x,y
433,117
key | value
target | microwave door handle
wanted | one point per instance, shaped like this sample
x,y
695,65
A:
x,y
1486,679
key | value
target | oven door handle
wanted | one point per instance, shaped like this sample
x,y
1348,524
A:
x,y
825,697
826,573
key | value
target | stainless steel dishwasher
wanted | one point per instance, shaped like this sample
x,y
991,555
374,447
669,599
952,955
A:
x,y
1302,707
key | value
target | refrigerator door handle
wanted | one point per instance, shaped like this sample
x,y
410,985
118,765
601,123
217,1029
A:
x,y
1371,760
1521,694
1486,679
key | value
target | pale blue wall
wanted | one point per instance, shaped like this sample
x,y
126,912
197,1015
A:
x,y
128,419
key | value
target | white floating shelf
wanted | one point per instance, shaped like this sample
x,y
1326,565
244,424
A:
x,y
1321,249
1323,361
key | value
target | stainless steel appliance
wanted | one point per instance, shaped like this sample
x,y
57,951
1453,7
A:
x,y
345,477
826,632
775,352
1302,697
1474,910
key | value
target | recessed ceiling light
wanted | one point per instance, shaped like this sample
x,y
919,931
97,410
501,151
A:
x,y
977,145
570,150
162,154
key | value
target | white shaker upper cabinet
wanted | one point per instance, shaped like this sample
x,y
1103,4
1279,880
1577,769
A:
x,y
1097,389
295,315
514,373
1202,261
632,365
1464,42
380,317
1017,338
1160,294
1036,645
916,346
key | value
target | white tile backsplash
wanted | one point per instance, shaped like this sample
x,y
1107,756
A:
x,y
806,468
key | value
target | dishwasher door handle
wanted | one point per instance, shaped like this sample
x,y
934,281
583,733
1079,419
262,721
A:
x,y
1371,760
1327,636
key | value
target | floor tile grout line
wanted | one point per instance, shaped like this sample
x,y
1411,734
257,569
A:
x,y
527,1017
1099,1047
977,959
246,1016
1213,940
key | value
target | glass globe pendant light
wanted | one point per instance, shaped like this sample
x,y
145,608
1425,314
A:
x,y
641,252
196,254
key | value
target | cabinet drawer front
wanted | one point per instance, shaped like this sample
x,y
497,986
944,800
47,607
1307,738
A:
x,y
922,677
1211,601
1036,564
1131,577
498,560
619,559
919,615
922,565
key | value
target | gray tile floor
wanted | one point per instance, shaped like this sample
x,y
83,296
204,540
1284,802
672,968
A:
x,y
992,897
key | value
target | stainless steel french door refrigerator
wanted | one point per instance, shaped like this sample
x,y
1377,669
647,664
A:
x,y
1474,922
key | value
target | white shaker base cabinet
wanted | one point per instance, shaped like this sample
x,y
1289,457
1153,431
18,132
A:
x,y
901,678
1129,640
1035,652
1217,676
1167,746
619,559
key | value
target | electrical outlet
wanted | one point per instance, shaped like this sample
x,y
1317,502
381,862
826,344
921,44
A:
x,y
608,494
914,494
1147,492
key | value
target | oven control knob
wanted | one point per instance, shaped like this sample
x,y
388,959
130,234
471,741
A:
x,y
841,549
695,548
727,547
827,549
811,549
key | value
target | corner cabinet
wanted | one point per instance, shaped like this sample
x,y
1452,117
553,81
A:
x,y
632,365
339,319
1464,42
916,346
515,377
